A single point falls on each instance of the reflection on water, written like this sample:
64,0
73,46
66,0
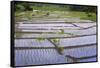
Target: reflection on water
75,49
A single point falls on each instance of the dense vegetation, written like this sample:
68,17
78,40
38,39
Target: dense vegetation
42,10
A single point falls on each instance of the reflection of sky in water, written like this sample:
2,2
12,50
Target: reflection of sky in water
82,32
79,52
32,43
51,56
88,60
43,25
38,56
78,41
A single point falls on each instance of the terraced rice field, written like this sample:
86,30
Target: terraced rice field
54,43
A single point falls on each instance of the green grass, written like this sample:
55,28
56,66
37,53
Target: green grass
83,15
29,15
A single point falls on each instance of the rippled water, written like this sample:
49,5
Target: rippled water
51,55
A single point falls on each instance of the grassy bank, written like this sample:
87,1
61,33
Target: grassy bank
40,15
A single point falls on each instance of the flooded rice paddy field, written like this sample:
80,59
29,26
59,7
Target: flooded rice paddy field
54,43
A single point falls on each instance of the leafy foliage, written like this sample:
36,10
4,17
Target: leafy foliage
23,6
45,10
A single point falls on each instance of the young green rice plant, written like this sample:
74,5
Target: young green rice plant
70,33
18,35
40,39
18,32
61,31
55,40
